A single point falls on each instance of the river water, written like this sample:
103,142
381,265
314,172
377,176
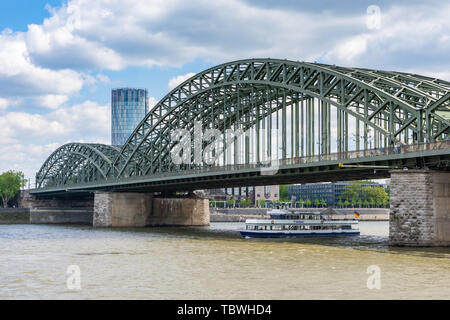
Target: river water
213,263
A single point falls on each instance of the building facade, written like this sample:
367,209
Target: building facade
330,192
128,108
269,194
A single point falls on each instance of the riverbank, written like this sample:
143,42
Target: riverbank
14,216
240,214
46,216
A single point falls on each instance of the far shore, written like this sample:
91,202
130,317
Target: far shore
241,214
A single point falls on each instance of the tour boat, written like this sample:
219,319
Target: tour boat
284,224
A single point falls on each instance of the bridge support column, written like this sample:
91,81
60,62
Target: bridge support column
112,209
420,208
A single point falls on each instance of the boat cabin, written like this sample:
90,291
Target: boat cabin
296,216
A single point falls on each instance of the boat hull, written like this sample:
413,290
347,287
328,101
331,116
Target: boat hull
268,234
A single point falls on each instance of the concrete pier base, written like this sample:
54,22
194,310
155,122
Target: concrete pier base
420,208
61,216
142,209
75,209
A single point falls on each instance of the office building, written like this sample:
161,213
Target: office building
330,192
128,109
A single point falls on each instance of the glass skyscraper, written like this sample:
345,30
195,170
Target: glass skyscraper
128,108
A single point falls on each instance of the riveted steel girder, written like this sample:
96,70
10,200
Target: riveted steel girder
76,162
391,104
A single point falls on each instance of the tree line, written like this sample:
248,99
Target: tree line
356,194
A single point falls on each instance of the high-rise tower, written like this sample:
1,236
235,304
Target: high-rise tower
128,108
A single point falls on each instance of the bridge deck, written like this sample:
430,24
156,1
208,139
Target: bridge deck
374,164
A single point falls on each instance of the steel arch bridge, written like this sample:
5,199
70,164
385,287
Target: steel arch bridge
287,109
77,163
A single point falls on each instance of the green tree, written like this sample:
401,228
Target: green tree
316,203
374,195
284,197
346,203
262,203
245,203
352,191
359,203
301,202
212,202
357,194
308,203
323,203
379,202
340,203
10,184
230,202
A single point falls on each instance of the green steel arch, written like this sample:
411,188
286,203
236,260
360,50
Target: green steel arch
76,162
305,98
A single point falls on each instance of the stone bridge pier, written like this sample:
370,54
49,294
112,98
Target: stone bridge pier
114,209
420,208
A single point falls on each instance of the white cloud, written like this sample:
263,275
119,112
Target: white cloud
20,125
4,103
412,38
105,34
349,50
28,139
88,121
86,35
152,102
20,77
52,101
174,82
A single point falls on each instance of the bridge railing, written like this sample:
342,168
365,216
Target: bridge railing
399,149
337,156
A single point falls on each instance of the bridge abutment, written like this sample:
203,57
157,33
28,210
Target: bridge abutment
113,209
58,210
420,208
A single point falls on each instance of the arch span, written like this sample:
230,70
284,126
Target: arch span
76,162
370,108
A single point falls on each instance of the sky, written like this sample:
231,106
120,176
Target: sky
60,59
